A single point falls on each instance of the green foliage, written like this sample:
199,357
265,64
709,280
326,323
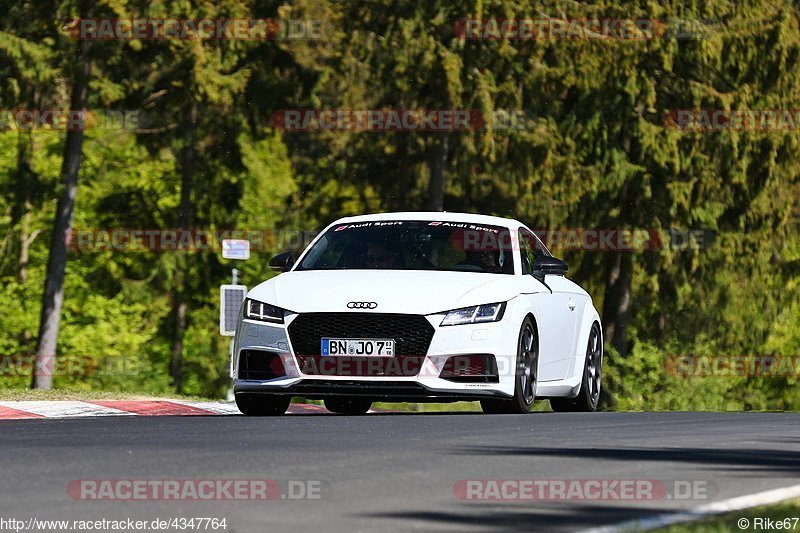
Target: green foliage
593,152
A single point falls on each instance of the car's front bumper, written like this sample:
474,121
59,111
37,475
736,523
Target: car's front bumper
375,390
423,383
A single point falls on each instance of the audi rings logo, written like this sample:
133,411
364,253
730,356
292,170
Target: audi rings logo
361,305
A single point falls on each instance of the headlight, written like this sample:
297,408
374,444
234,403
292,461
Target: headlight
475,315
255,310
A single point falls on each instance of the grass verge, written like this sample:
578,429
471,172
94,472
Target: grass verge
767,518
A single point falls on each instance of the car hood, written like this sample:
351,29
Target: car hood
395,291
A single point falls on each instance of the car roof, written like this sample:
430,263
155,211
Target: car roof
443,216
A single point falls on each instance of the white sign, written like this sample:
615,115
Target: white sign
230,302
236,249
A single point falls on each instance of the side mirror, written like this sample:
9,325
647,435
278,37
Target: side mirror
545,264
282,262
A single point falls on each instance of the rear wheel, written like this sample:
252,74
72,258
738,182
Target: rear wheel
527,370
589,394
348,406
262,404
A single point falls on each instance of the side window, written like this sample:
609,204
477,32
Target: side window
526,251
530,248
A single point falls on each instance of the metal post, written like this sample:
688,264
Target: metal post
235,281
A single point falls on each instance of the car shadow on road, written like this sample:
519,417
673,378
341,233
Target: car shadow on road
372,414
549,516
560,515
744,459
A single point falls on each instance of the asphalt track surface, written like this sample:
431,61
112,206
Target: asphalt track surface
396,472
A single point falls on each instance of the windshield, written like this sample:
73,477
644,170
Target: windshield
412,245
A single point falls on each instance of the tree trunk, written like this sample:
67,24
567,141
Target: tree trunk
21,213
24,243
438,168
57,262
617,300
186,218
177,345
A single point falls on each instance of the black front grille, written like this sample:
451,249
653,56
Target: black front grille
412,334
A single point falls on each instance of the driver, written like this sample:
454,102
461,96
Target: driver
485,259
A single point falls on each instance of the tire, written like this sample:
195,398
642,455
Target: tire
348,406
589,393
526,372
262,404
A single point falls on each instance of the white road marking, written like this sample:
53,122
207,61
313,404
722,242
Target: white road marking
64,409
74,409
220,408
730,505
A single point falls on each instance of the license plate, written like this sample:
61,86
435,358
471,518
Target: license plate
376,347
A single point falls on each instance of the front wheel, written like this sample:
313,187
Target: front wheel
262,404
589,394
527,370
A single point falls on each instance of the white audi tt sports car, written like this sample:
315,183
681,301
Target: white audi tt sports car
418,307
